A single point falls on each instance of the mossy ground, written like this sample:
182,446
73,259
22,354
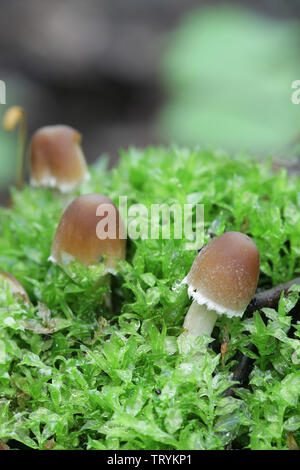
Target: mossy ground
74,375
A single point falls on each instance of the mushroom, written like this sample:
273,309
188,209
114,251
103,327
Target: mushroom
90,229
13,117
222,280
15,286
56,159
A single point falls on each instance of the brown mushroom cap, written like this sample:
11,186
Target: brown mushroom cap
12,117
224,275
76,235
56,158
15,286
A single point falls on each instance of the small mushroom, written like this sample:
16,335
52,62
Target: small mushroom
78,234
56,159
222,280
15,286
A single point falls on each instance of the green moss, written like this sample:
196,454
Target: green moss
87,377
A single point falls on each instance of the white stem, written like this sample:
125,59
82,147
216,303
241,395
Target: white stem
199,320
65,198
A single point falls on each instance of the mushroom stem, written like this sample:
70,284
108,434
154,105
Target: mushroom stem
21,152
106,280
199,320
107,296
64,198
16,116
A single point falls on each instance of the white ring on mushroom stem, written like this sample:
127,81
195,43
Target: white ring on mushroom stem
52,259
201,299
49,181
66,259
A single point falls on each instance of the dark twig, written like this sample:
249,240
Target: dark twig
268,298
242,371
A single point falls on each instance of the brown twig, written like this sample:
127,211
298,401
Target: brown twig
3,446
291,443
270,298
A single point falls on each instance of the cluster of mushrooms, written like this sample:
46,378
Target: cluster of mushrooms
222,279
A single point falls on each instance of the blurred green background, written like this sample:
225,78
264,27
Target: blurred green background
230,72
213,74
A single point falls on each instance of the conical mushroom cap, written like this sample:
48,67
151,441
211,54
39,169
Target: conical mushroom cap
77,235
56,158
15,286
224,275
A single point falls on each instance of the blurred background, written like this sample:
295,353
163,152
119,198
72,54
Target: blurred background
141,72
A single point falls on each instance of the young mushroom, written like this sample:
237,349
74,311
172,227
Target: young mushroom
222,280
56,159
15,287
90,229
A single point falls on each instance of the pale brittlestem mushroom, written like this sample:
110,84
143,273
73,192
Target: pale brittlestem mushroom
15,116
222,280
91,231
15,287
56,159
